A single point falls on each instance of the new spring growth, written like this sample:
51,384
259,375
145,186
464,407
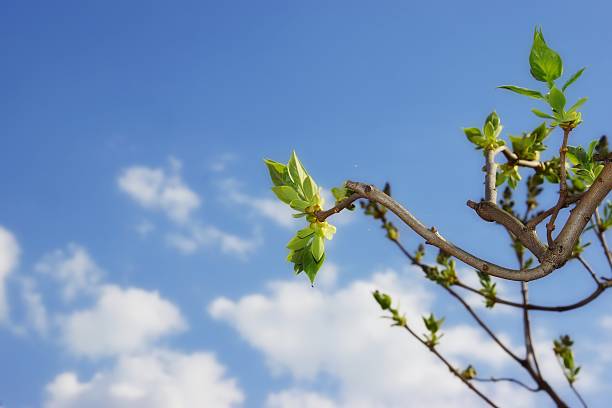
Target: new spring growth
433,325
385,301
296,188
563,350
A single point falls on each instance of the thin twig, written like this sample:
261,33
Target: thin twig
529,350
512,380
582,401
322,215
538,218
588,268
450,367
562,187
599,231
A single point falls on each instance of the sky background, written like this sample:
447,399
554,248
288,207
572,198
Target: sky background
142,258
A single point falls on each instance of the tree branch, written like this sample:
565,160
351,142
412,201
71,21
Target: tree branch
551,260
562,187
514,159
490,176
538,218
322,215
512,380
594,295
528,237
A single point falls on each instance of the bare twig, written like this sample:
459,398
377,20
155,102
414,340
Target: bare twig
582,401
588,268
512,380
530,355
322,215
562,187
450,367
528,237
514,159
563,308
538,218
599,231
490,176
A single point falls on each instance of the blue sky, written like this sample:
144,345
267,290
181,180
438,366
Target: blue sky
139,236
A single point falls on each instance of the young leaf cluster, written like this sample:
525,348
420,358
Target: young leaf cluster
296,188
488,289
469,373
547,66
585,168
447,274
562,348
488,137
385,302
529,145
433,325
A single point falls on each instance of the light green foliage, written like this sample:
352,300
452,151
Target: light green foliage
296,188
433,326
546,66
584,167
529,145
385,301
488,289
488,137
469,373
508,172
446,275
562,348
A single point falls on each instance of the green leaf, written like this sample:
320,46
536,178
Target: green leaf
383,300
523,91
542,114
296,170
306,232
578,104
285,193
493,118
297,243
556,99
545,64
276,171
318,247
489,131
311,267
298,204
310,188
573,79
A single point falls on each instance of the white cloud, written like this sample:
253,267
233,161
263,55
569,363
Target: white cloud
73,269
308,333
270,208
161,379
296,398
221,162
160,189
36,313
144,228
9,258
206,236
122,320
